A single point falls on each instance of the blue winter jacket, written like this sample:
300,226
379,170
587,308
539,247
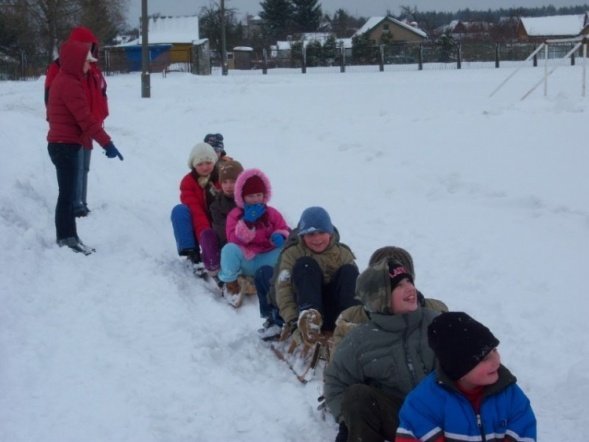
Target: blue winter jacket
436,411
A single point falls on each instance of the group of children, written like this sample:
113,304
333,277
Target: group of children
404,368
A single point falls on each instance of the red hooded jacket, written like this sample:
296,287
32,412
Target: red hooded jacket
68,110
94,82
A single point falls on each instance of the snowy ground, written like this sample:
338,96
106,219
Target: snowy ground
490,195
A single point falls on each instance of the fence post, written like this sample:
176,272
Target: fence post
573,59
420,57
535,63
264,61
459,56
381,60
497,55
342,65
304,63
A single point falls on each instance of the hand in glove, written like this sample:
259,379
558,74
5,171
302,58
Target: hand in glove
252,212
111,151
277,239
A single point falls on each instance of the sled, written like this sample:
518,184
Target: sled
304,360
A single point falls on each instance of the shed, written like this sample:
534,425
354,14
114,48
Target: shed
174,44
242,57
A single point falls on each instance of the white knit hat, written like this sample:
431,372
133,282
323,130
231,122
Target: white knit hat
201,152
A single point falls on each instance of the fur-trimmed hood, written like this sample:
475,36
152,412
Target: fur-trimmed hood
243,177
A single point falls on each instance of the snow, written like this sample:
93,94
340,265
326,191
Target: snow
182,29
554,25
490,195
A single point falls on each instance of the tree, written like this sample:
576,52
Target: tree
306,15
363,49
210,26
341,24
106,18
38,27
277,16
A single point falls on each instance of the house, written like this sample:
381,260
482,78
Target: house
174,44
538,29
466,30
395,30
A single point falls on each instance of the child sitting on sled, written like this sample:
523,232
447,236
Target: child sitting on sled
191,219
470,395
255,233
316,278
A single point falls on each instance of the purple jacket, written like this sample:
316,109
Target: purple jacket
254,238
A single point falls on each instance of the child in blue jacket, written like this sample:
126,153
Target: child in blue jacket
470,396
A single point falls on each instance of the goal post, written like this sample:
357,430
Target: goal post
580,42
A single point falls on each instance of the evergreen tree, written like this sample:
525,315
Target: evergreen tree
277,16
342,24
306,15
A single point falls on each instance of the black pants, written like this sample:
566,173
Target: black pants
329,299
369,414
65,158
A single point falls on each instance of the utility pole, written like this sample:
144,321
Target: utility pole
224,67
145,83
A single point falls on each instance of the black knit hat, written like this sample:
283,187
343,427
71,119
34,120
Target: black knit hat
398,272
459,342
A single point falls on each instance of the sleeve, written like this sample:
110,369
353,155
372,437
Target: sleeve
77,104
342,372
192,195
522,421
279,225
50,74
218,221
417,420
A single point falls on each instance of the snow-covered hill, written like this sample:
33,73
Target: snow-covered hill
490,195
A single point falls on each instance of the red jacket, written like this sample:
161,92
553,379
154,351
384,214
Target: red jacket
94,82
197,199
68,110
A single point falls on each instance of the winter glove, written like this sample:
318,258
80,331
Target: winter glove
252,212
111,151
277,239
244,233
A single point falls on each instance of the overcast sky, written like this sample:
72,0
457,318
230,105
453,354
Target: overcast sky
354,7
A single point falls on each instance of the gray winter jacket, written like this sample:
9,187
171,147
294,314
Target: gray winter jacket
390,353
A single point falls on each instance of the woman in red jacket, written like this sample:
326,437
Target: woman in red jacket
94,85
71,122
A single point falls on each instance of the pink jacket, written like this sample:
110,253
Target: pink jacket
254,238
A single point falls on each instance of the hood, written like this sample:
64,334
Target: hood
85,35
72,56
243,177
373,288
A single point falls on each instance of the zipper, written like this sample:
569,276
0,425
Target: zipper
480,425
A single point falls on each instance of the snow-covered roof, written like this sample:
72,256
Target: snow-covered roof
171,30
554,25
374,21
286,45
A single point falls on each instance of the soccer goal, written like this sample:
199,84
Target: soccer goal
553,57
555,52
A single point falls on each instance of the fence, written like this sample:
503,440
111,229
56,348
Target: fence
410,56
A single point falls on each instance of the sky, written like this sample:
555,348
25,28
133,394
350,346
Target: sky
488,194
357,8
